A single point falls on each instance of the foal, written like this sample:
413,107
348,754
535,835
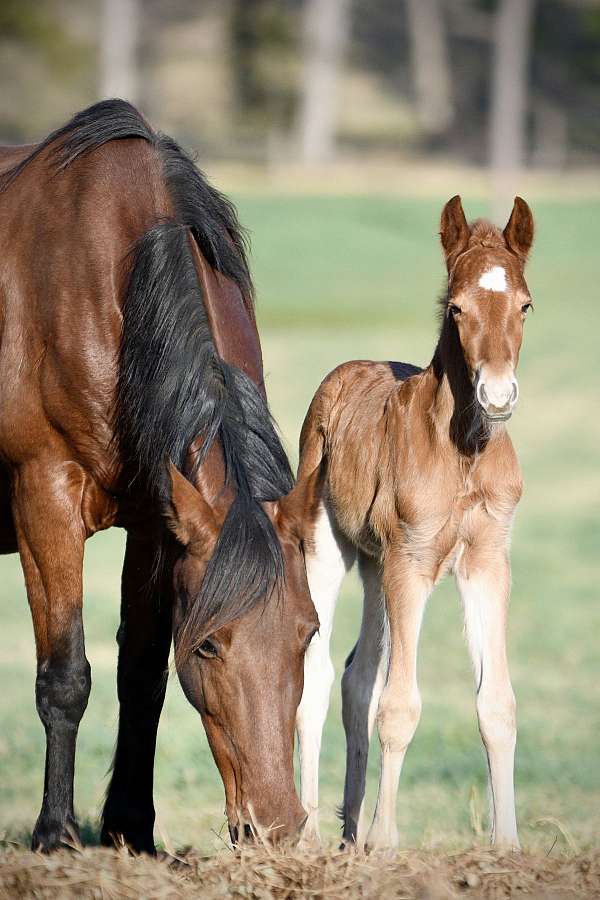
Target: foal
418,477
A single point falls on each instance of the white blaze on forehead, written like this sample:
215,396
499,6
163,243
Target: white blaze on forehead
494,279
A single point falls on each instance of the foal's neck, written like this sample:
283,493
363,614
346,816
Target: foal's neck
455,408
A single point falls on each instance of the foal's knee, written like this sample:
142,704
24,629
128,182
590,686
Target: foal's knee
62,691
397,720
497,716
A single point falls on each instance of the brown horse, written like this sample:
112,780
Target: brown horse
132,395
417,476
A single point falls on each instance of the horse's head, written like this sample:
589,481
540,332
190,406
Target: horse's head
488,299
246,676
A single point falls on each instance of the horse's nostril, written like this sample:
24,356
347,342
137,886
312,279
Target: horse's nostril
514,392
481,394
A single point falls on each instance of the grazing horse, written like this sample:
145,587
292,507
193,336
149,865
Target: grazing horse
132,395
416,476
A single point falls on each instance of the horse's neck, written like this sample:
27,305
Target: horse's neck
454,409
12,156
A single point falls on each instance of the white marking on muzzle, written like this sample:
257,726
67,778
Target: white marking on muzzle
494,279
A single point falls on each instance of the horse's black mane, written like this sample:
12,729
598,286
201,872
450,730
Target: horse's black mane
173,387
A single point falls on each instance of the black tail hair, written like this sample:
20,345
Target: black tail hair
173,386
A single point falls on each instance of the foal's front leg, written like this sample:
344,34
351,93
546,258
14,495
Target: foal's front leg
406,593
484,584
50,534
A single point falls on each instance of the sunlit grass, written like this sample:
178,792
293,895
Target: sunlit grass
342,278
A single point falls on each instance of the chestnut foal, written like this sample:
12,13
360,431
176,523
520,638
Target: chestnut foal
418,477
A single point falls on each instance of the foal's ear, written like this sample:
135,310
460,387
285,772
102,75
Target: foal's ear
518,233
454,230
190,517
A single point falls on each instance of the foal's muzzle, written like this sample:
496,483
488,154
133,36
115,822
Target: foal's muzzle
497,397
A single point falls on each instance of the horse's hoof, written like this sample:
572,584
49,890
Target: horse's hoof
134,840
49,835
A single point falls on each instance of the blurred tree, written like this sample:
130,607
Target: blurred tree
119,49
508,126
263,61
325,34
46,65
430,68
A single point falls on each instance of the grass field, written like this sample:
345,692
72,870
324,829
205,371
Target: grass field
348,277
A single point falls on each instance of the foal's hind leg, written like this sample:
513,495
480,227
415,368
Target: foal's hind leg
50,534
144,641
327,562
362,683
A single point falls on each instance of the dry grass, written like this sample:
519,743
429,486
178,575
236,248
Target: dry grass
262,873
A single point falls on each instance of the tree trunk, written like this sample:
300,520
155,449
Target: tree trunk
325,33
430,66
118,49
508,125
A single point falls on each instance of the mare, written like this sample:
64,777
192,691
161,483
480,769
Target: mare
132,396
416,476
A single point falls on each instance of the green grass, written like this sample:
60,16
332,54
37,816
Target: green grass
348,277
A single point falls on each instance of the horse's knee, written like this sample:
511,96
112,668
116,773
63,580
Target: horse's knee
497,716
397,720
62,691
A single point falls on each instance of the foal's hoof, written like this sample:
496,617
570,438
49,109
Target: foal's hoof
49,835
310,839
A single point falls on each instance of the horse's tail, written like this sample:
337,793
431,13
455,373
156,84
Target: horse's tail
173,387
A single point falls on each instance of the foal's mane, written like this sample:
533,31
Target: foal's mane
173,386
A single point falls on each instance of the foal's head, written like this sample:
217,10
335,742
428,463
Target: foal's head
488,299
245,676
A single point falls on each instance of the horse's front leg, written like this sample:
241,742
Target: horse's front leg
144,641
483,580
47,510
399,710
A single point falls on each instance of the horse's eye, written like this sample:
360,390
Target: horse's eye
525,308
208,649
454,310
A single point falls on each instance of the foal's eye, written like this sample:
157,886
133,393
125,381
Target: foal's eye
208,649
454,310
525,308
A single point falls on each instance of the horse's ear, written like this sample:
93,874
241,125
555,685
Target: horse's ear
190,517
454,230
518,233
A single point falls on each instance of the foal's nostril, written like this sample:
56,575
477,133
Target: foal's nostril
481,394
514,393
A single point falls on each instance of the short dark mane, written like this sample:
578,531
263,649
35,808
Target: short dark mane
173,386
